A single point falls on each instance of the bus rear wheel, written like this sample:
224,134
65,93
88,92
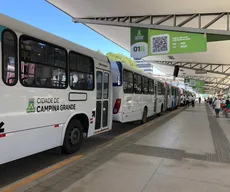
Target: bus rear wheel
73,136
144,116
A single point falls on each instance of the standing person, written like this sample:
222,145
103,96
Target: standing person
181,100
193,101
213,102
227,101
184,98
217,107
187,101
199,99
190,99
210,101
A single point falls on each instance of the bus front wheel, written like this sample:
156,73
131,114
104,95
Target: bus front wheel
73,136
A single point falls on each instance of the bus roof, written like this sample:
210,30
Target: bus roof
26,29
138,71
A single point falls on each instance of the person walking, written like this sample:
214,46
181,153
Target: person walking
199,99
217,104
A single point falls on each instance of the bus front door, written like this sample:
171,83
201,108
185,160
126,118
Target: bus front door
102,102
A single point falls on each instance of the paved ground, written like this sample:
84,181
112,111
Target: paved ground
16,170
192,154
19,169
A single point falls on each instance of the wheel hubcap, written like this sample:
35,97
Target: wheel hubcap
74,136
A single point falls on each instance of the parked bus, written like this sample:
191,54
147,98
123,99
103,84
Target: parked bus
136,95
172,96
52,92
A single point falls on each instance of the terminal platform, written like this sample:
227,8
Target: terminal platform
186,150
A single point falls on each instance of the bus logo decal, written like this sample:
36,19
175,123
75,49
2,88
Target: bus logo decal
31,108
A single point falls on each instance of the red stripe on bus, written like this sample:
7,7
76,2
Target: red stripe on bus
2,135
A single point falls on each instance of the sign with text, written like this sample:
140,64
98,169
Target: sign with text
200,72
139,42
147,42
200,90
194,83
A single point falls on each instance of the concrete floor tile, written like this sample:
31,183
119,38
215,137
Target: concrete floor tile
204,171
135,162
164,183
65,183
37,189
225,127
189,131
109,178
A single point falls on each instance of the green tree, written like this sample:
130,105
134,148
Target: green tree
99,51
121,58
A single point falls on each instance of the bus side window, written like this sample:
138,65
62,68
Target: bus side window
151,87
9,57
160,91
145,85
127,81
81,72
137,83
42,64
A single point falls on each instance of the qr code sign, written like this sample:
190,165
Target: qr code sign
160,44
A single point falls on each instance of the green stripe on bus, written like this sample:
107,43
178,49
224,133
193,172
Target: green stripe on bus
1,29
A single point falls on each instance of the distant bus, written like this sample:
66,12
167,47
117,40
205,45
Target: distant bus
172,96
52,92
136,95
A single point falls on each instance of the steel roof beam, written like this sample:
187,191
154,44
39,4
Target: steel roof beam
187,20
146,21
212,68
208,80
213,21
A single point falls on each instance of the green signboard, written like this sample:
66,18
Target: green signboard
200,90
139,42
145,42
196,83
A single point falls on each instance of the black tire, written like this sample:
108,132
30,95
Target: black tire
144,116
73,136
159,114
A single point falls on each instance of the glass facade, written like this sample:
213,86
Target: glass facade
146,66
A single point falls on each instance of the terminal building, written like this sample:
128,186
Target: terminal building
145,65
148,67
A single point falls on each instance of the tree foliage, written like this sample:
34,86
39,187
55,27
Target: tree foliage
121,58
99,51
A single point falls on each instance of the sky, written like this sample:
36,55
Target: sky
41,14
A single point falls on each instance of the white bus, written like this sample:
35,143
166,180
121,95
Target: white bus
52,91
136,95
